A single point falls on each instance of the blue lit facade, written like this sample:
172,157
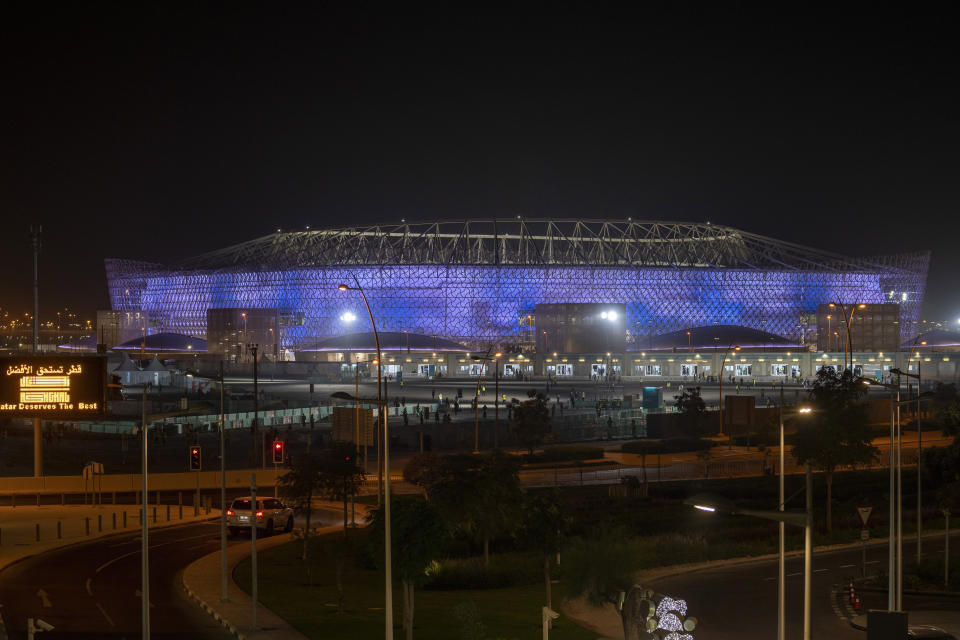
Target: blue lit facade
494,299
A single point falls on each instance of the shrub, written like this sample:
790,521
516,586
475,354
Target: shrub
565,453
670,445
505,570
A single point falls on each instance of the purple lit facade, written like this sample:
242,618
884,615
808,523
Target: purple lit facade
478,284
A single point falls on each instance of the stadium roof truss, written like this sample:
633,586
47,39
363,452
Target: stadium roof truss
472,281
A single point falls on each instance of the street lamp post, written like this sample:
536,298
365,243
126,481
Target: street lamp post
223,486
893,577
805,520
144,527
917,377
722,374
484,359
781,526
388,561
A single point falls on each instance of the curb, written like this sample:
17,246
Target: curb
213,612
655,573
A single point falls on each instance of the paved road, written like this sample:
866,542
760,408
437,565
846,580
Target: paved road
92,591
740,602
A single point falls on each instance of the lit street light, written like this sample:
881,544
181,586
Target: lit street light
713,504
723,373
388,562
496,400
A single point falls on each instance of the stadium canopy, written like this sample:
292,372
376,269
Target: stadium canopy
164,342
718,337
389,341
523,241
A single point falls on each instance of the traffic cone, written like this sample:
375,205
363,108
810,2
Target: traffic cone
853,595
856,604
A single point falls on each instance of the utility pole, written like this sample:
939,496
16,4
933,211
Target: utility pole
223,496
256,405
37,423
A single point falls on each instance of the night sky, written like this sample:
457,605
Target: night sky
170,129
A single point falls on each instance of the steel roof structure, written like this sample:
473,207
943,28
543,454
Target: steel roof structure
477,282
529,242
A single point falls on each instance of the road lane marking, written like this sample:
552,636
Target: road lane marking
89,590
769,579
110,562
798,573
153,546
873,562
105,615
847,566
820,570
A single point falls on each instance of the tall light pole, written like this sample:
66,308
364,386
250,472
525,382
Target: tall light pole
484,359
144,528
713,504
893,577
917,377
388,561
723,372
781,525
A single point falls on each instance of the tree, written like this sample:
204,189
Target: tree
946,408
838,434
340,478
477,494
298,486
531,420
694,410
417,530
545,524
602,568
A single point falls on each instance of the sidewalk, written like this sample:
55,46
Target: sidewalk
201,580
27,531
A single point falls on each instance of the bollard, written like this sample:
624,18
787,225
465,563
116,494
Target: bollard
114,520
99,523
154,515
181,511
38,532
141,517
86,525
168,513
124,519
59,530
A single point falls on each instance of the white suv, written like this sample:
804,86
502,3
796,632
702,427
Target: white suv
271,516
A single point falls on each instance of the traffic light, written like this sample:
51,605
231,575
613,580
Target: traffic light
278,452
195,458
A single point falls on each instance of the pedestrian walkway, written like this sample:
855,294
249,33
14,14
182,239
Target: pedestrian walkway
202,581
29,530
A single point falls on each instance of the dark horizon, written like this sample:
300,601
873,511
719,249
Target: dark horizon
162,132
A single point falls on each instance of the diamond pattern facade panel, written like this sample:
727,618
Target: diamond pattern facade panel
476,282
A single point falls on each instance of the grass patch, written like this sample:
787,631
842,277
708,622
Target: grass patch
509,614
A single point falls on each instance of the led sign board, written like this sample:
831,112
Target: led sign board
53,387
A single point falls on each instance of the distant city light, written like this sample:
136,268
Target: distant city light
348,317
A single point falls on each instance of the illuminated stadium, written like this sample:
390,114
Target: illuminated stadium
479,282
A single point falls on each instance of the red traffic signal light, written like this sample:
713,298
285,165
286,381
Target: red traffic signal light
195,458
277,452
